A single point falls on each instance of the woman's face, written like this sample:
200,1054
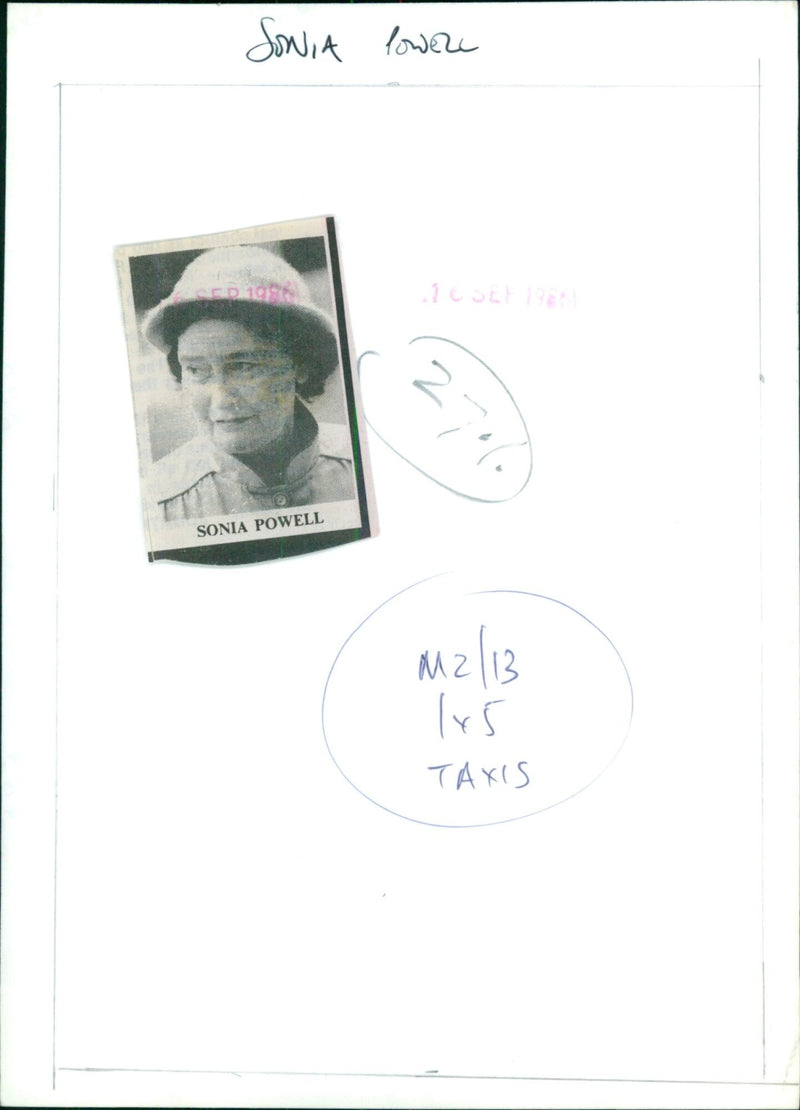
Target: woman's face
240,386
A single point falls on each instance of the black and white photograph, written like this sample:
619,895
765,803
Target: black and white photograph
245,416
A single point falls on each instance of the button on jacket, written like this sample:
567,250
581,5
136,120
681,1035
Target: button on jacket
199,479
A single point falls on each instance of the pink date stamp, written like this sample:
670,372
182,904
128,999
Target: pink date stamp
270,294
548,297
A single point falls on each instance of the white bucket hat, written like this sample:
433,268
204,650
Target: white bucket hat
248,275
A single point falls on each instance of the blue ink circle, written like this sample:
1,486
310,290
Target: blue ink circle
456,707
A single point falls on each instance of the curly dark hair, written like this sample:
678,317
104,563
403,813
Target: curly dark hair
310,344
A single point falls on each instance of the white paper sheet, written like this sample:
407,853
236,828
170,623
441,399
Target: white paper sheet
234,871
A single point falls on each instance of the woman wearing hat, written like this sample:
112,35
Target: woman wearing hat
248,346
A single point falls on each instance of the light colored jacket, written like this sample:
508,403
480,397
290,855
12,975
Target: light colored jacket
199,479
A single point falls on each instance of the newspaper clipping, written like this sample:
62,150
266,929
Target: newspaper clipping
243,394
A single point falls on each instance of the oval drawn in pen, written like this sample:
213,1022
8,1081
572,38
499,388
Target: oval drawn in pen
458,707
446,412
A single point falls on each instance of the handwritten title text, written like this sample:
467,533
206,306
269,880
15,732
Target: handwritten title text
276,44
